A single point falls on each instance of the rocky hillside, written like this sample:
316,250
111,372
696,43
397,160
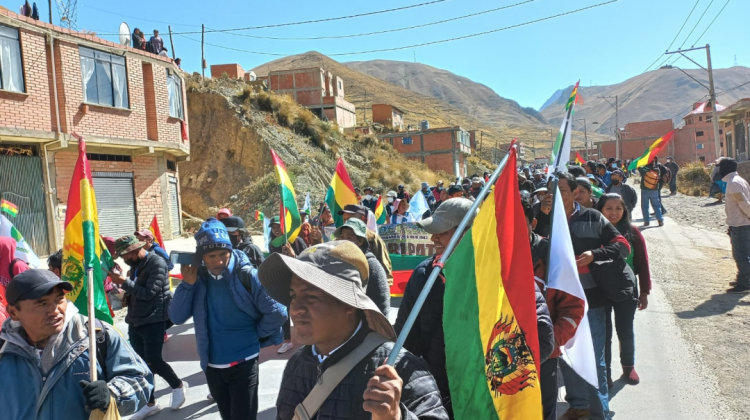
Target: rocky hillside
232,130
666,93
472,98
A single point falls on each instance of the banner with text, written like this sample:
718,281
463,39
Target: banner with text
407,239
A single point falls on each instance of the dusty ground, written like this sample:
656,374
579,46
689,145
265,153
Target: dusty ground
699,212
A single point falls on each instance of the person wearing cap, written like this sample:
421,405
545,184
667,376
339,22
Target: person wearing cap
375,243
403,194
391,197
455,191
370,200
476,186
605,176
673,167
400,213
333,317
150,296
44,357
225,212
436,190
147,237
234,318
428,196
292,249
241,240
618,186
426,338
319,224
538,181
376,285
525,185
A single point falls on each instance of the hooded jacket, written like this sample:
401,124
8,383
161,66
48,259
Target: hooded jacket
149,288
420,398
254,254
47,388
249,296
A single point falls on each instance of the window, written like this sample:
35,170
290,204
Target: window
406,140
105,81
340,87
701,146
708,118
11,71
171,165
174,86
700,118
109,158
702,158
721,131
698,133
689,121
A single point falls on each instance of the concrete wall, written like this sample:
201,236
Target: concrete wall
437,149
235,71
653,129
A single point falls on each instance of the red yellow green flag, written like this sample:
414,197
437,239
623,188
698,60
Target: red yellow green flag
9,208
83,249
340,192
291,221
381,216
491,342
154,228
259,216
579,160
653,150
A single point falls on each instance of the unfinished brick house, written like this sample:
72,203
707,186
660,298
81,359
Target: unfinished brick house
441,149
127,104
388,115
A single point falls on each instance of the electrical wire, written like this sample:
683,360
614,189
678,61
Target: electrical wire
278,25
712,22
140,18
431,42
673,40
696,24
387,30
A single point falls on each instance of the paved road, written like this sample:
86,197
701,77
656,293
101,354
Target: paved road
673,384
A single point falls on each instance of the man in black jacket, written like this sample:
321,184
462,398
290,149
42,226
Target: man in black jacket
148,287
332,317
241,240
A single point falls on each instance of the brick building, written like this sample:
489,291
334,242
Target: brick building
634,139
318,90
441,149
734,123
234,71
695,140
126,103
388,115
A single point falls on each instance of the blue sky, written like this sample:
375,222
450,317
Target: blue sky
603,45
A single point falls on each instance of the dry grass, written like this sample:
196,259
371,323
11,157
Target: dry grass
694,179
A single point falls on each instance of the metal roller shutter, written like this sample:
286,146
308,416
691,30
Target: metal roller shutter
174,207
115,202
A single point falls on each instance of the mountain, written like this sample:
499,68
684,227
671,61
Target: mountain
555,96
666,93
474,99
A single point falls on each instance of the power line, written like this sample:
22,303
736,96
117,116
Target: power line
712,22
433,42
139,18
387,30
278,25
696,24
675,38
233,49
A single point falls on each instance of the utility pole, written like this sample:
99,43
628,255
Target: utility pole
171,43
585,137
711,91
203,52
616,106
49,3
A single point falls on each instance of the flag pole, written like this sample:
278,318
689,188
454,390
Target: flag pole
555,181
92,323
446,254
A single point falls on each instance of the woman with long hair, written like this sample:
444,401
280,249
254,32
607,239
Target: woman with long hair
613,207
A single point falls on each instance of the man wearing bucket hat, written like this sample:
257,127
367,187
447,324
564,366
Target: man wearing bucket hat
233,316
376,285
44,357
426,339
346,342
148,287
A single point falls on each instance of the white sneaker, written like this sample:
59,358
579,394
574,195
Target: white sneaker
178,396
146,411
285,347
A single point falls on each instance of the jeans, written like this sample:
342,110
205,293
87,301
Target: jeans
650,196
740,239
548,383
148,341
579,393
624,316
235,390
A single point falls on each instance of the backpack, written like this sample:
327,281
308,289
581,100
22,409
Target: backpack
12,265
651,179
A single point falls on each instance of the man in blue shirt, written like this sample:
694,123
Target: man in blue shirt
604,174
146,236
234,318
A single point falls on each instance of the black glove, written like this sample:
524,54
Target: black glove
97,395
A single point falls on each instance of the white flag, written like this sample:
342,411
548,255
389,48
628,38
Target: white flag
578,353
306,208
267,232
417,207
561,148
23,250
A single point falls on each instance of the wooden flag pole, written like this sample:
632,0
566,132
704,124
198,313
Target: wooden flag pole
92,323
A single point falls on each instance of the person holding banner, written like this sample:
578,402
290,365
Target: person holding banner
48,336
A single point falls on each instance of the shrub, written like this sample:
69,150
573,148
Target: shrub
694,179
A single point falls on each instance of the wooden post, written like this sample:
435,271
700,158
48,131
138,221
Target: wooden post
171,42
203,55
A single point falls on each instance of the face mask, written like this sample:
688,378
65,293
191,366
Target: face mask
390,199
368,197
615,182
235,240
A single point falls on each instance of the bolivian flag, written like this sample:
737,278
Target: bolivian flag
491,342
340,192
653,150
291,221
154,228
381,216
579,160
9,207
83,249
